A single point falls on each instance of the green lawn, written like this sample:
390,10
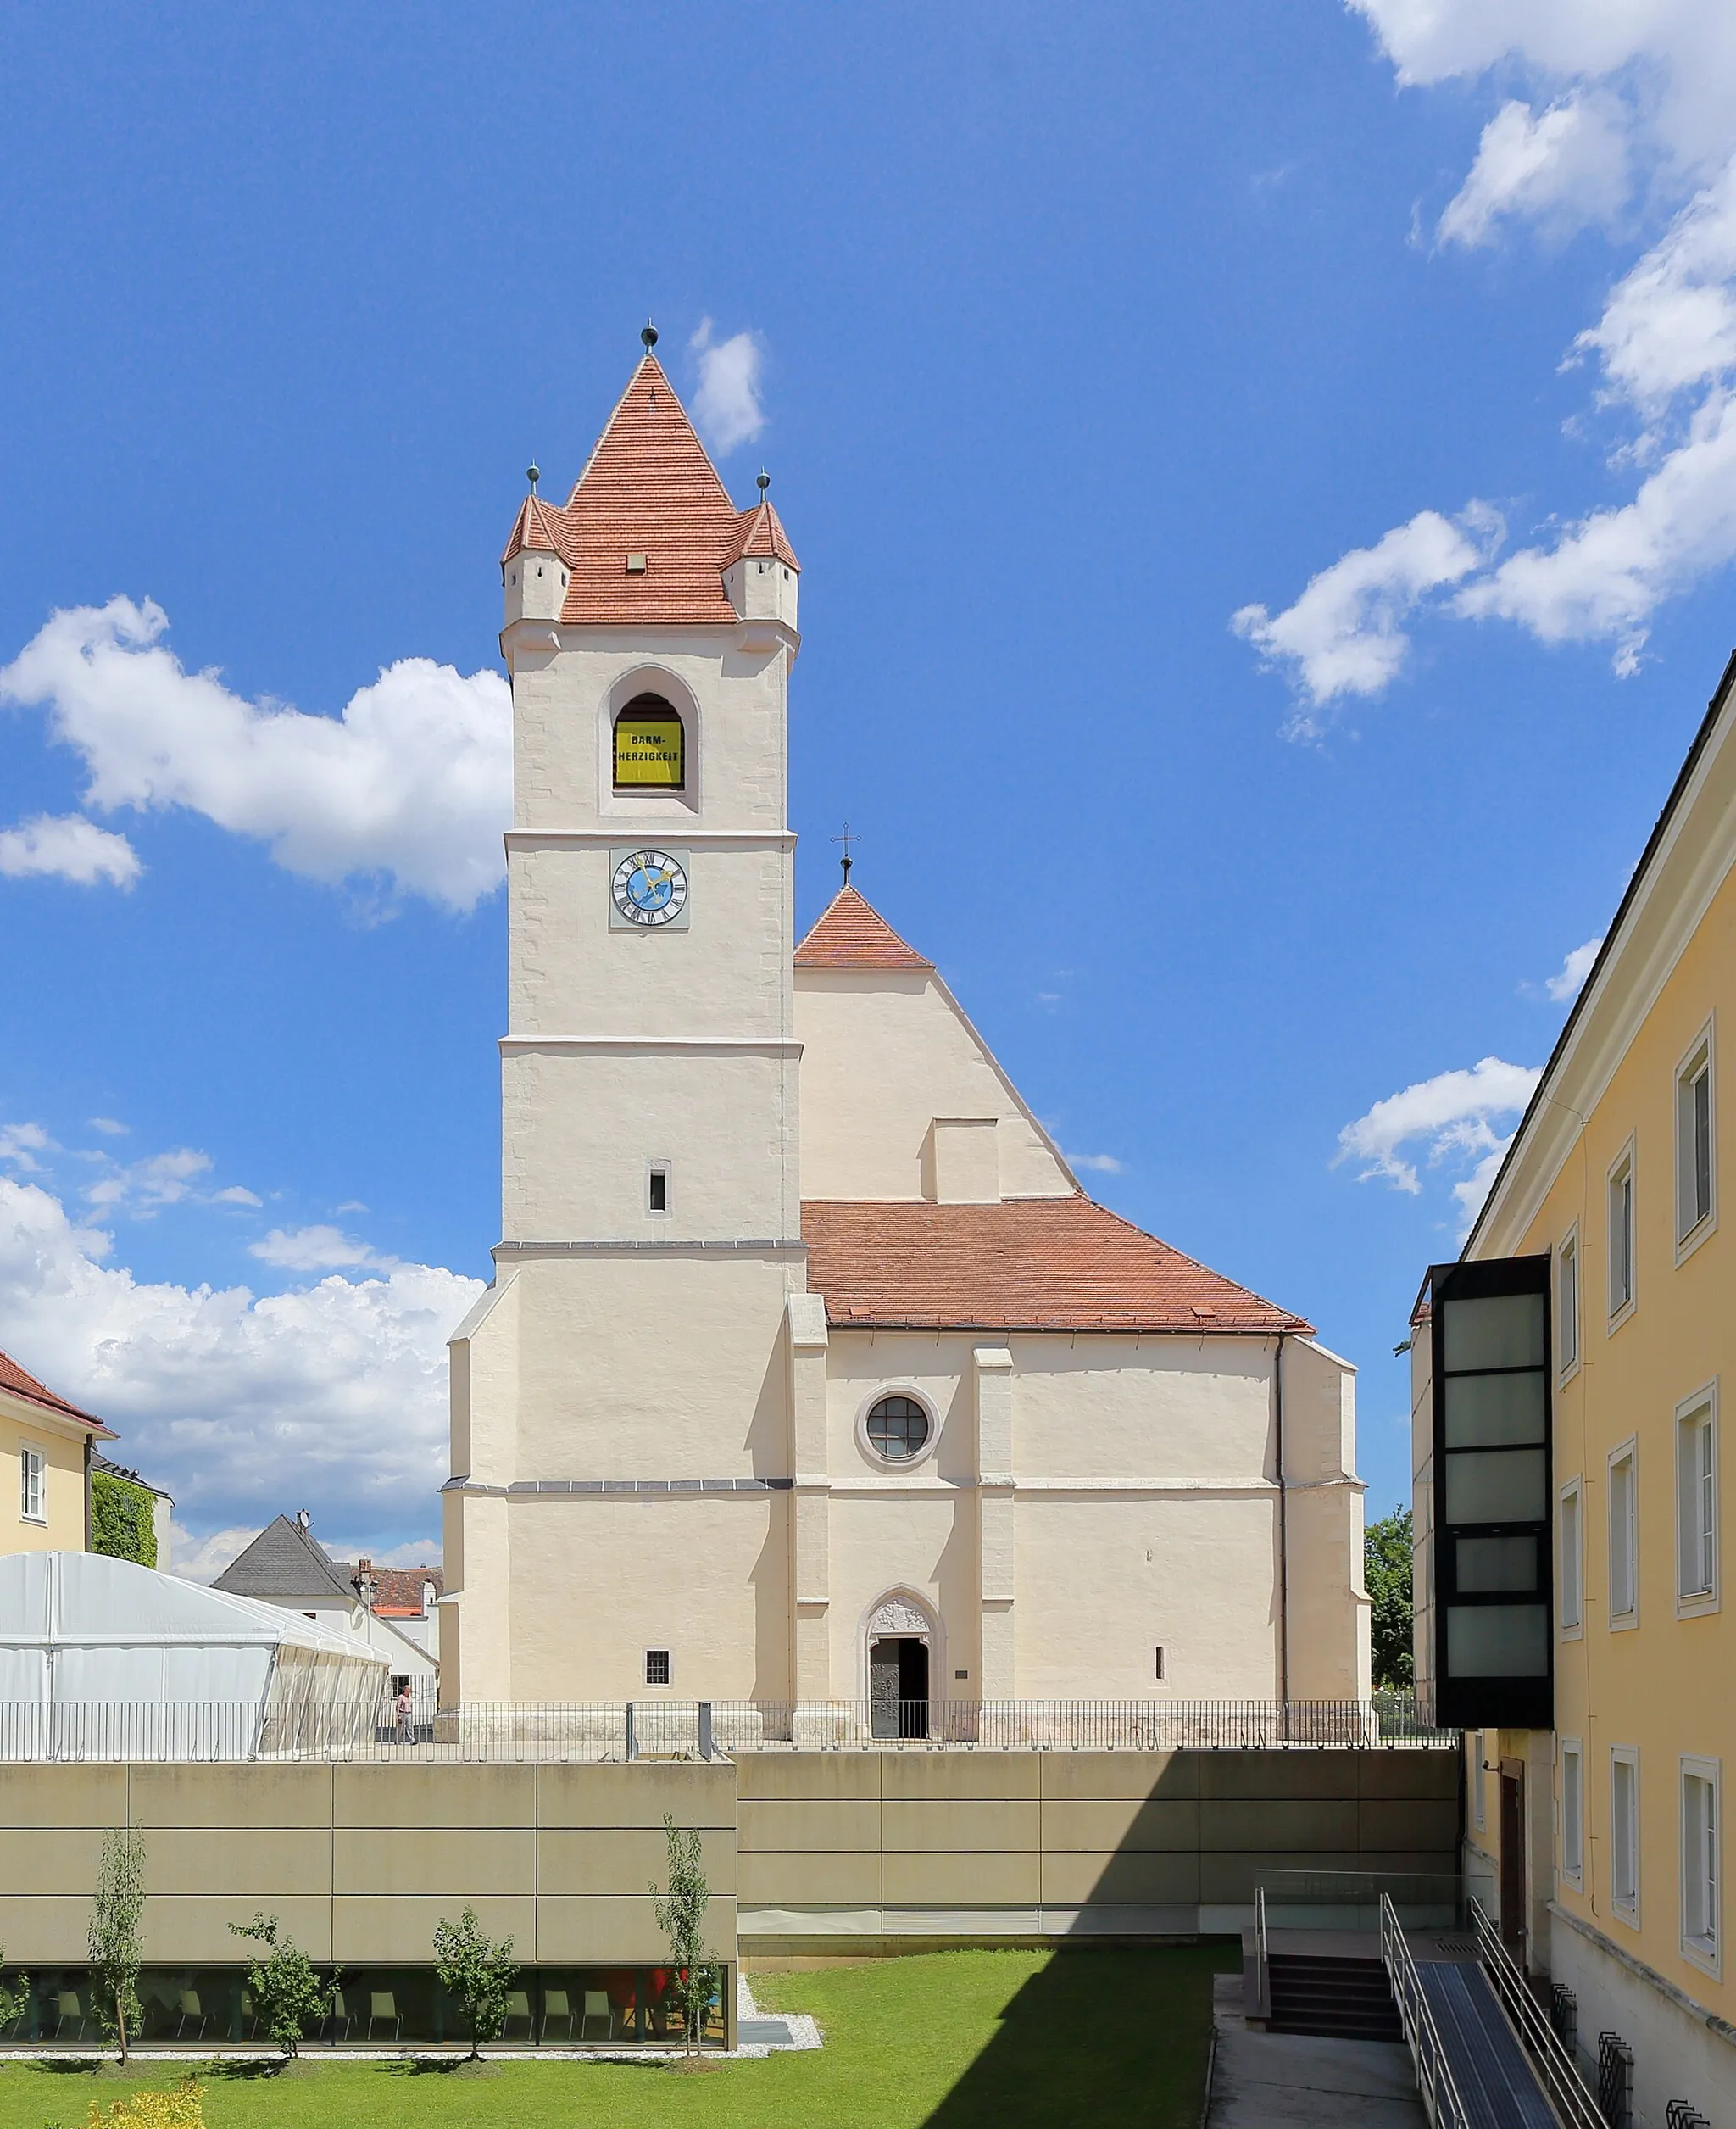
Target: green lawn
954,2039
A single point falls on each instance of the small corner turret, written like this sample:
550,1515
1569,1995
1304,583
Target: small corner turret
533,575
762,578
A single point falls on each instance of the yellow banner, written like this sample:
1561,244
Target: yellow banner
649,750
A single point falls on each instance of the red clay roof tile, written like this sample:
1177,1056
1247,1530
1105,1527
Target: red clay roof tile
1060,1263
851,933
14,1379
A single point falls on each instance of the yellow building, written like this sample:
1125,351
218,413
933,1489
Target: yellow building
47,1443
1603,1831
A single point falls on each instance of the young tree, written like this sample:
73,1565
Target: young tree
14,1996
116,1945
1386,1569
289,1995
478,1972
681,1916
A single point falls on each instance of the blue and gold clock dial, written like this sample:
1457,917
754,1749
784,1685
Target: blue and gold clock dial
650,888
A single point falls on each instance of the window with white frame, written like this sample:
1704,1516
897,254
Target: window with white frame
1699,1859
1568,1303
1624,1831
1572,1813
1622,1234
1624,1537
32,1476
1693,1140
1572,1551
1697,1499
1476,1742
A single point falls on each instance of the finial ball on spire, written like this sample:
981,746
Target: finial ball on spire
533,473
762,481
647,333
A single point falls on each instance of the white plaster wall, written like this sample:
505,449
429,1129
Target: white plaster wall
920,1538
579,1126
1676,2055
596,1580
671,1369
1178,1409
883,1053
727,974
1103,1578
561,704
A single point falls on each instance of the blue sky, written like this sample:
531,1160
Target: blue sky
1260,477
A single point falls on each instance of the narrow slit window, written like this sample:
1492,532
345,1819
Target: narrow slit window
1157,1666
1572,1812
1567,1306
1624,1832
1572,1563
1624,1578
1700,1860
1622,1236
1693,1141
657,1187
1696,1504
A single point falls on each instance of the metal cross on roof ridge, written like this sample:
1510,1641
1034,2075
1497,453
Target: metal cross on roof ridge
847,839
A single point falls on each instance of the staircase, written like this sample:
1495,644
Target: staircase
1338,1998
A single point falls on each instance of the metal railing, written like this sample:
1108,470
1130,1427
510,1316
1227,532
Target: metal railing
1262,1982
1434,2079
377,1728
1554,2065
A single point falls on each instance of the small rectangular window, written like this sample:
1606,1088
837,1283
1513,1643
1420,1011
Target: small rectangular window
1476,1796
657,1187
1567,1305
1696,1502
1158,1669
1572,1559
1693,1139
1700,1860
1622,1234
1624,1577
31,1489
656,1667
1572,1813
1624,1831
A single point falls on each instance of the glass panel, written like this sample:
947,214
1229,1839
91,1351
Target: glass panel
1502,1330
1486,1565
1495,1485
1497,1641
1483,1410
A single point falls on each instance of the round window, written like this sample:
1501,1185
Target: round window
899,1428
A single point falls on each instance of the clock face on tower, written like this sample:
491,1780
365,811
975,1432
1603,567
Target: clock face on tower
649,889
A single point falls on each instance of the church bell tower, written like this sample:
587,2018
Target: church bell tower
617,1394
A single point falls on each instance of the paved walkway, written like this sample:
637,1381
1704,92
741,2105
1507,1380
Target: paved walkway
1291,2080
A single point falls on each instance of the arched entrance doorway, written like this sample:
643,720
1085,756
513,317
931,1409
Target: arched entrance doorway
901,1640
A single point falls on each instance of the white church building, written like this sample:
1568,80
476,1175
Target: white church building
809,1372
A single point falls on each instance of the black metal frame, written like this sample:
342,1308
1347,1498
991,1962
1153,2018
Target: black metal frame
1491,1703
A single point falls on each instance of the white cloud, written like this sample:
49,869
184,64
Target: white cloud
726,405
412,783
203,1559
236,1195
108,1126
1449,1116
1633,114
1566,165
20,1143
315,1248
163,1178
1346,634
1570,978
67,847
1102,1163
417,1553
331,1397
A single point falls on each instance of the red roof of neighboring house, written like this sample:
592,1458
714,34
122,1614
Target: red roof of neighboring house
14,1377
851,933
649,489
397,1590
1054,1264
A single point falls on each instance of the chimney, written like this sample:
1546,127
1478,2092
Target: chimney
367,1582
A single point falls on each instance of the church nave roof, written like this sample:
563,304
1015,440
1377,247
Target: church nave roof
1050,1263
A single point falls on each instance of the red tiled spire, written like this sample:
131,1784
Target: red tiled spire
852,934
760,533
538,529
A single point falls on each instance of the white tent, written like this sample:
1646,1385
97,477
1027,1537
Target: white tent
100,1659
